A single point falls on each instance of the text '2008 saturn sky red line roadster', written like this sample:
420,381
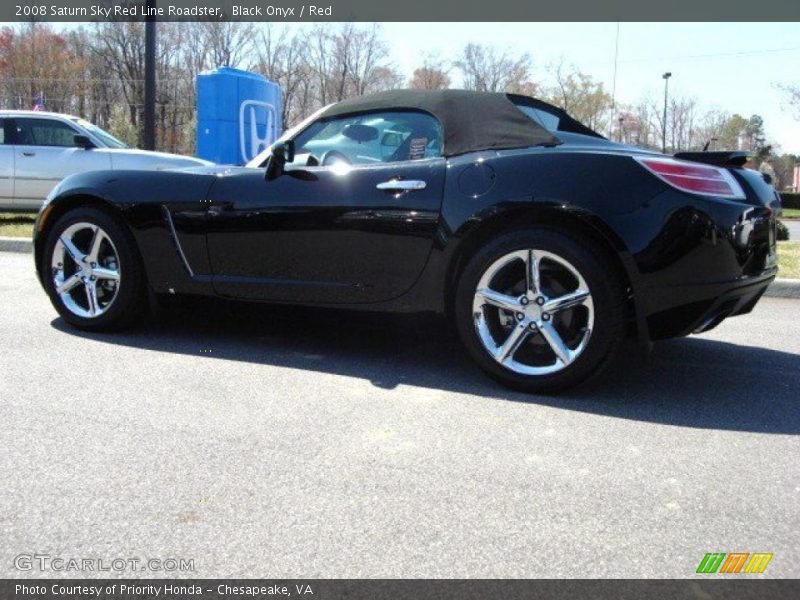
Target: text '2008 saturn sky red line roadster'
544,242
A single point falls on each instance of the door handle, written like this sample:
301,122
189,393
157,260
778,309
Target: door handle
402,185
29,154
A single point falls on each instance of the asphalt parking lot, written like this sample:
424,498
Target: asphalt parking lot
299,443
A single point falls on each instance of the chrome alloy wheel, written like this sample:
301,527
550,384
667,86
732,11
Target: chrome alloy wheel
533,312
85,270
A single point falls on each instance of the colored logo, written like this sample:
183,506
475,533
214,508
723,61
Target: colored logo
735,562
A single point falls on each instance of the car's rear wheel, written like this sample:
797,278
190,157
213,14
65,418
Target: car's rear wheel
92,271
539,311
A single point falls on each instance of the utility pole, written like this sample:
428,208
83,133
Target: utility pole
666,77
150,78
614,81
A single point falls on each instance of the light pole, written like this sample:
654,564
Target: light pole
666,77
621,131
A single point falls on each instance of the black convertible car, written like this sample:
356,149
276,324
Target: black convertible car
544,242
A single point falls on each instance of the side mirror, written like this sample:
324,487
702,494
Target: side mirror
280,154
81,141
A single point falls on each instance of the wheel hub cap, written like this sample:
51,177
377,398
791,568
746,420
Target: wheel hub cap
533,312
85,270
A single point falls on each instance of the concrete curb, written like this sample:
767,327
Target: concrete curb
784,288
780,288
14,244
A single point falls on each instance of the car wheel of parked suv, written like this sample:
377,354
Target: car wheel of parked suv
539,311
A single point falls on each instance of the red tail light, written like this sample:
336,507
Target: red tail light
693,177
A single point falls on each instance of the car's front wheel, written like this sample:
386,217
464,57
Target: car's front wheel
539,311
92,271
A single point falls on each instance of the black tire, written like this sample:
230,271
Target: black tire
607,294
130,302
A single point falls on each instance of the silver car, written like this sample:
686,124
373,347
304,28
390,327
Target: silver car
39,149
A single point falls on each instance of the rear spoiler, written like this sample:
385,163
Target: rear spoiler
727,158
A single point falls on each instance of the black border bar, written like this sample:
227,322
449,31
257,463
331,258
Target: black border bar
403,10
710,588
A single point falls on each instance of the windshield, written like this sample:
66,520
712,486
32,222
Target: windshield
261,158
105,137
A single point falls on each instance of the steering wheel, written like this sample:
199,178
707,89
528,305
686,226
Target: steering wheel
333,157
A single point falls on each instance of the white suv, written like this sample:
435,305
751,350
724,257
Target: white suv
39,149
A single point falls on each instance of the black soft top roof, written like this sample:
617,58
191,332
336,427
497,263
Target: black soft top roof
471,120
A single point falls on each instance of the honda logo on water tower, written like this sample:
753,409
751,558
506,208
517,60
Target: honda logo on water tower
250,142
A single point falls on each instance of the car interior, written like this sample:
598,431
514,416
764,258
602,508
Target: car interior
368,139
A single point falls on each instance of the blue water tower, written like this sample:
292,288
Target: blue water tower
238,115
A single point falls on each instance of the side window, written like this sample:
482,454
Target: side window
2,131
369,138
44,132
546,119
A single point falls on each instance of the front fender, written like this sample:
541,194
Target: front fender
139,199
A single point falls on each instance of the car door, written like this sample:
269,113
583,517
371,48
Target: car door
348,226
45,153
6,168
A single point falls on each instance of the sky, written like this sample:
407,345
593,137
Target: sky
734,67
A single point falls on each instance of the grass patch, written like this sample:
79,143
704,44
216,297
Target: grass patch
791,213
789,260
17,224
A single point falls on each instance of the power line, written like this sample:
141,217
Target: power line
121,104
94,80
711,55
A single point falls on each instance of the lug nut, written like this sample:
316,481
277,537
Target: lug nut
533,326
540,300
520,316
545,316
523,301
92,277
94,265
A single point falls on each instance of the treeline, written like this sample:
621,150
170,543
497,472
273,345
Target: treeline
97,71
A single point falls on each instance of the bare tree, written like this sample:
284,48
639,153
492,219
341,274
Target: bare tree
121,46
792,92
488,69
350,61
227,43
680,123
581,96
434,74
281,58
710,130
